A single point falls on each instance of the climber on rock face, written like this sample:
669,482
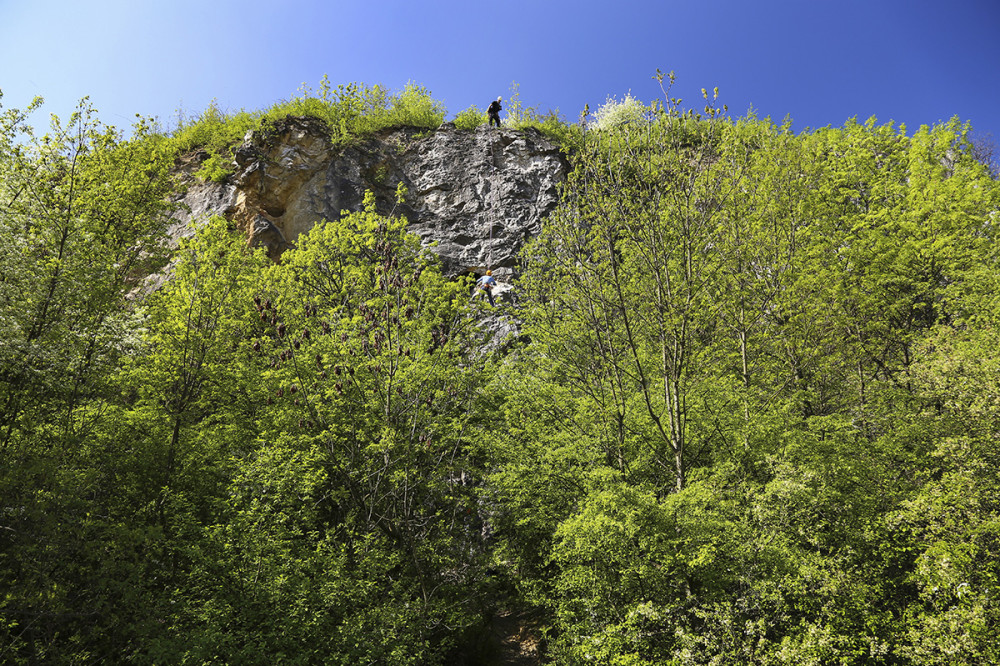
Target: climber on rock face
494,112
486,283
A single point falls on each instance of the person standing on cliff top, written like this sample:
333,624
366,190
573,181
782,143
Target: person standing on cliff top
494,112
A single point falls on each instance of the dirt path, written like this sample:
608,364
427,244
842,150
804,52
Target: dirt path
519,639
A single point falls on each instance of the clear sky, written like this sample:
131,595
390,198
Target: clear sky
819,62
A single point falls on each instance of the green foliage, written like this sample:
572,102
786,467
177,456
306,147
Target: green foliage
751,417
568,137
371,338
725,322
214,130
214,169
470,118
613,113
552,125
84,213
350,111
415,107
340,521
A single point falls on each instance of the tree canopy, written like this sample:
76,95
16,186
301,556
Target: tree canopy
751,416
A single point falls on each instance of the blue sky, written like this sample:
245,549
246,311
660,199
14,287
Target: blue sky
817,61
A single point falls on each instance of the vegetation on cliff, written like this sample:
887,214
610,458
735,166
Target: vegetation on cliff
350,111
753,418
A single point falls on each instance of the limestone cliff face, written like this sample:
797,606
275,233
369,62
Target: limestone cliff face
479,194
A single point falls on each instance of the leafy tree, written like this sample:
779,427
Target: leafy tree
83,216
349,526
950,523
81,223
744,308
623,269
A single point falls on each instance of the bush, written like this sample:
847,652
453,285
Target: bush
569,137
415,106
214,130
214,169
470,119
614,113
217,133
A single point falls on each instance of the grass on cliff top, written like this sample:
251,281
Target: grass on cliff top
351,111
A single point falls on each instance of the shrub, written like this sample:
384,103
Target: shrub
614,113
214,130
415,106
470,119
214,169
569,137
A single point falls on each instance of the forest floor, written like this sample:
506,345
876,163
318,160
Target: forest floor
519,638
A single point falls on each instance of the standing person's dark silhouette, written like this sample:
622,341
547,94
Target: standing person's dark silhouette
494,112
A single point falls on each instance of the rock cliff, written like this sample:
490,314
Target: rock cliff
479,194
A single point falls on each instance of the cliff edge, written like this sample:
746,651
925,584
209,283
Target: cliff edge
478,194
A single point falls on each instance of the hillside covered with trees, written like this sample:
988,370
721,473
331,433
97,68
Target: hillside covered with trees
752,417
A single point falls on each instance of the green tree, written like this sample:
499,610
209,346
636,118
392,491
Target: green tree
726,324
349,528
82,217
624,270
84,214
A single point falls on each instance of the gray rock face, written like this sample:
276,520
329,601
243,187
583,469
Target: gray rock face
479,194
199,200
